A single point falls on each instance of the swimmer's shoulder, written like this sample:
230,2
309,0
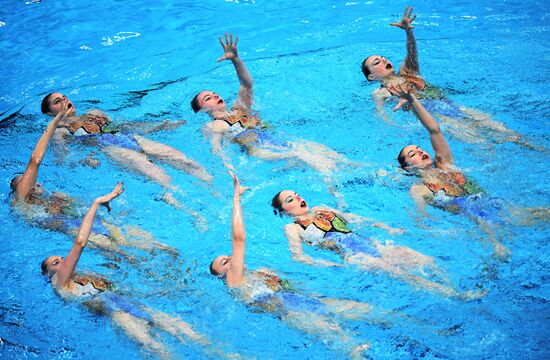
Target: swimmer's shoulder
218,126
380,93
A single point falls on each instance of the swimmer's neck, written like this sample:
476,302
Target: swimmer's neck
219,114
390,79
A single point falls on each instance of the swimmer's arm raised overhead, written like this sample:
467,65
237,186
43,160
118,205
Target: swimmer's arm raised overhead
67,267
28,179
246,91
443,155
235,275
411,65
292,232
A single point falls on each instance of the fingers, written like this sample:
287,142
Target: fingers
405,12
397,107
119,189
236,181
236,40
226,40
410,12
221,42
414,17
400,104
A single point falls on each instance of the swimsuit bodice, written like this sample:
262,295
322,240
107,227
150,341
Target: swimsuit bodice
88,286
452,183
241,118
90,124
60,204
260,284
319,225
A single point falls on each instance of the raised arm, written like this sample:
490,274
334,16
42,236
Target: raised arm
443,155
410,66
246,91
235,275
67,267
28,179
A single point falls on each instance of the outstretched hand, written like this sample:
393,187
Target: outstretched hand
105,199
64,110
229,47
238,189
406,22
402,92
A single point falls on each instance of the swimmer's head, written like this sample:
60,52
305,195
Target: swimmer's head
37,189
51,265
377,67
51,104
208,101
220,265
290,203
412,157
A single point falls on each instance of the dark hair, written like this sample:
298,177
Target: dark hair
401,159
365,68
195,104
212,271
13,185
45,107
277,204
44,267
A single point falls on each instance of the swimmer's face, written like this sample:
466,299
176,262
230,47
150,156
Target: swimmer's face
292,203
379,67
210,101
55,103
37,189
416,158
221,264
52,264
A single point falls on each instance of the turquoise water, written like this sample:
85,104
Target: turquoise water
144,61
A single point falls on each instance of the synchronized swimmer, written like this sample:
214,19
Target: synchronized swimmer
469,125
441,184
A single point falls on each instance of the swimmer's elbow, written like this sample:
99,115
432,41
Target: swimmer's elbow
81,241
35,160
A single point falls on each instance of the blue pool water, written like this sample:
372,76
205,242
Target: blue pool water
144,61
